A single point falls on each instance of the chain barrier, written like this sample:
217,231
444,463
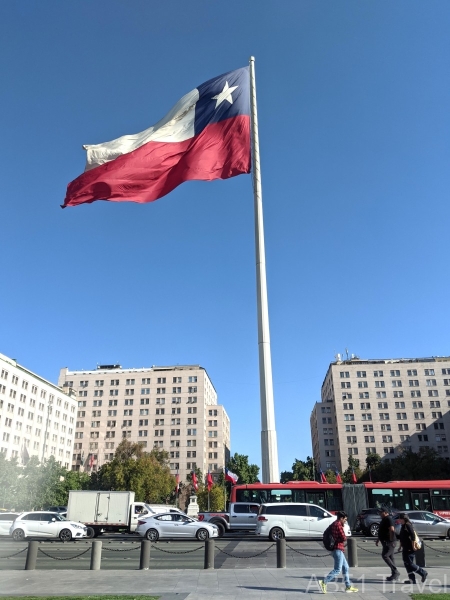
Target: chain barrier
370,551
434,549
305,554
15,553
177,551
59,558
245,556
120,550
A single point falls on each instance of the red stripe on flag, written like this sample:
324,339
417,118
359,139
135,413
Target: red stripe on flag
220,151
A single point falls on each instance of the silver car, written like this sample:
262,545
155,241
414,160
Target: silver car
426,524
175,525
45,524
6,520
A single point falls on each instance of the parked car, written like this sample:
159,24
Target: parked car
426,524
175,525
6,520
58,509
292,519
368,521
46,524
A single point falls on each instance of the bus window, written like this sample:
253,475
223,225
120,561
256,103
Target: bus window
334,500
421,500
398,499
440,499
280,495
316,498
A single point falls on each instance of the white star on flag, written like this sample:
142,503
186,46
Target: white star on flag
225,94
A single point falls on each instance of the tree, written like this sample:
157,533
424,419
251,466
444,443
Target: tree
145,473
239,465
9,473
286,476
353,465
304,470
216,499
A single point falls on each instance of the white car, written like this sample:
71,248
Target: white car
6,520
175,525
291,519
46,524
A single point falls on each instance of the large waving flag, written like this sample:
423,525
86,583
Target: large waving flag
354,479
338,476
323,479
209,481
229,476
194,480
205,136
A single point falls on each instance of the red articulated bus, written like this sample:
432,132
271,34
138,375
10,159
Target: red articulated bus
399,495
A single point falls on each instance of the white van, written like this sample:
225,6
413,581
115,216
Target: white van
292,519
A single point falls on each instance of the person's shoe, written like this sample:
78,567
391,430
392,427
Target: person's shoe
395,577
424,576
409,581
323,586
350,589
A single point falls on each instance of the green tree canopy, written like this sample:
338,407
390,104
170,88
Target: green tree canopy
239,465
216,499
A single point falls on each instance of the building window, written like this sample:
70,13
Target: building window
378,373
412,372
364,394
379,384
382,404
349,417
401,416
436,415
114,382
346,396
398,395
161,380
363,384
192,379
395,373
348,406
381,394
420,426
345,384
419,415
433,393
353,450
403,427
369,438
384,416
192,389
399,405
396,383
415,394
413,383
351,439
361,374
367,428
429,372
365,405
366,417
147,401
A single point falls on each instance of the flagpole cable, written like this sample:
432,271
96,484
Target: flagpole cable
269,448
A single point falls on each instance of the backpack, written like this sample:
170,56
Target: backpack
328,540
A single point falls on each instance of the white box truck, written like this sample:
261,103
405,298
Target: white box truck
106,511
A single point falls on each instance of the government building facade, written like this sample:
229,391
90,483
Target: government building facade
172,408
382,406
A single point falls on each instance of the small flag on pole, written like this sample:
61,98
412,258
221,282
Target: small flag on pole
229,476
194,481
209,481
338,476
354,479
323,479
91,461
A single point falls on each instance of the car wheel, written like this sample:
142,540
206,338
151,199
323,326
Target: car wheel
221,529
202,535
276,534
448,533
18,535
373,529
90,532
152,535
65,535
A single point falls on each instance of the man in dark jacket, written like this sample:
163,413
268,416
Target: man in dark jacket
340,562
386,535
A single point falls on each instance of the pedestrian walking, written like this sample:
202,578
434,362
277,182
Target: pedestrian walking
407,536
340,562
386,535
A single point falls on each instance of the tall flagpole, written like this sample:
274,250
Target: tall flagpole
269,450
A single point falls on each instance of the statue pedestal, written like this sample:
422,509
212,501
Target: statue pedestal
192,510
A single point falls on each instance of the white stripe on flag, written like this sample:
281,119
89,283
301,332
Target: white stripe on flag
176,126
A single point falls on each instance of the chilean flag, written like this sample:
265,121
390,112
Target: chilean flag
194,481
354,480
229,476
323,479
209,481
338,477
205,136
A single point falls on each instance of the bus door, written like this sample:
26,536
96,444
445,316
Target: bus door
421,501
316,498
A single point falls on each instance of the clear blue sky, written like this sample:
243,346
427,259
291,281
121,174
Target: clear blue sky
353,100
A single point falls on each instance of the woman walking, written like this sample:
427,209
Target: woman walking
407,535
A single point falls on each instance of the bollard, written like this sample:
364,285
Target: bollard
96,556
144,563
30,564
352,552
209,554
419,555
281,554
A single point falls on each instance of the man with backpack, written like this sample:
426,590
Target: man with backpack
340,562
